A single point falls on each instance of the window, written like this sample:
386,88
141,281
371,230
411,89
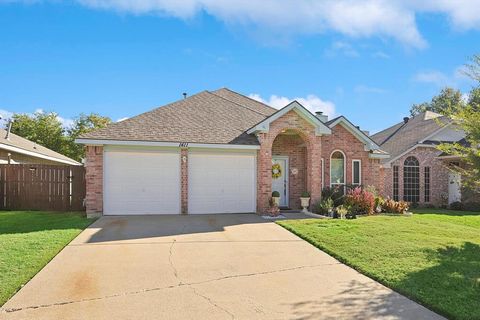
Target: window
427,183
356,172
411,180
395,183
337,170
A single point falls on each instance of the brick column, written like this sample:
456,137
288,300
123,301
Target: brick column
184,180
264,174
314,169
94,181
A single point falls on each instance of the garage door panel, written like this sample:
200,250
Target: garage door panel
221,183
142,182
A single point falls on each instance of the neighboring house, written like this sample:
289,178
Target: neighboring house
416,170
17,150
213,152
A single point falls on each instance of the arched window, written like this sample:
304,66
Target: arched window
411,180
337,169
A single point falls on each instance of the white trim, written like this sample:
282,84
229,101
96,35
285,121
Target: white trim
359,173
323,173
287,177
378,156
264,126
344,168
93,142
37,155
387,164
359,134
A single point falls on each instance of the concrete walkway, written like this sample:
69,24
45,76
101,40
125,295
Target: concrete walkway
201,267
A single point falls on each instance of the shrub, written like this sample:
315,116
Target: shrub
335,193
372,189
275,194
379,203
457,205
324,206
361,201
305,194
392,206
472,206
342,211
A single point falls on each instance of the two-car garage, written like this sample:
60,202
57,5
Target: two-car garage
148,181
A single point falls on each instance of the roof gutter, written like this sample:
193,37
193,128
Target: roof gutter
37,155
101,142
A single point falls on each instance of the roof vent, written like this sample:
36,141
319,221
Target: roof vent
405,120
184,95
321,116
9,129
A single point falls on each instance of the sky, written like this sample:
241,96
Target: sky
368,60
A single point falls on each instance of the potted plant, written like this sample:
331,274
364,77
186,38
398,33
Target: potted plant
305,201
276,198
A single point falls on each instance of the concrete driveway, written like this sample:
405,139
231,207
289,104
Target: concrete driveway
201,267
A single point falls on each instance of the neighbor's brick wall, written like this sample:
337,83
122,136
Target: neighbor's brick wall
427,157
289,121
341,139
294,147
94,180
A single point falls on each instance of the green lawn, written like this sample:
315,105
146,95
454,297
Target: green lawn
432,257
29,240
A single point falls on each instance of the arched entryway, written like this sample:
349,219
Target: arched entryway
289,167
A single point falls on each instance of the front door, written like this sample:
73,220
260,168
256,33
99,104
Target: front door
280,179
454,187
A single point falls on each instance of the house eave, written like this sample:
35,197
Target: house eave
102,142
37,155
264,125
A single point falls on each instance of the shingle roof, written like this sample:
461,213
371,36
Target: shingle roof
221,117
402,136
31,147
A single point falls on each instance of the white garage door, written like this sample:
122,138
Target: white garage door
221,183
141,182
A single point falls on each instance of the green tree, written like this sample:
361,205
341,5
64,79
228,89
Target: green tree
467,117
43,128
83,124
46,129
442,103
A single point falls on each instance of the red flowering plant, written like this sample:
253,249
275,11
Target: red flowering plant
361,201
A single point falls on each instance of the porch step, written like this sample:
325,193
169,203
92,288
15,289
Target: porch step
288,210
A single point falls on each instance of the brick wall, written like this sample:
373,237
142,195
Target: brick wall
94,180
438,175
294,147
353,149
293,122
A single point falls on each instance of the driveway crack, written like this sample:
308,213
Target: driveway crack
170,260
181,284
209,300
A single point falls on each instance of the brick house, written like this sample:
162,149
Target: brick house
214,151
417,171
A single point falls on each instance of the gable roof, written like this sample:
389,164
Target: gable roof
18,144
218,117
320,127
404,135
359,134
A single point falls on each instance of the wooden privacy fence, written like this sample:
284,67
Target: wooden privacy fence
42,187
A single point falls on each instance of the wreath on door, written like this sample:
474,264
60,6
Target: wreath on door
276,171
